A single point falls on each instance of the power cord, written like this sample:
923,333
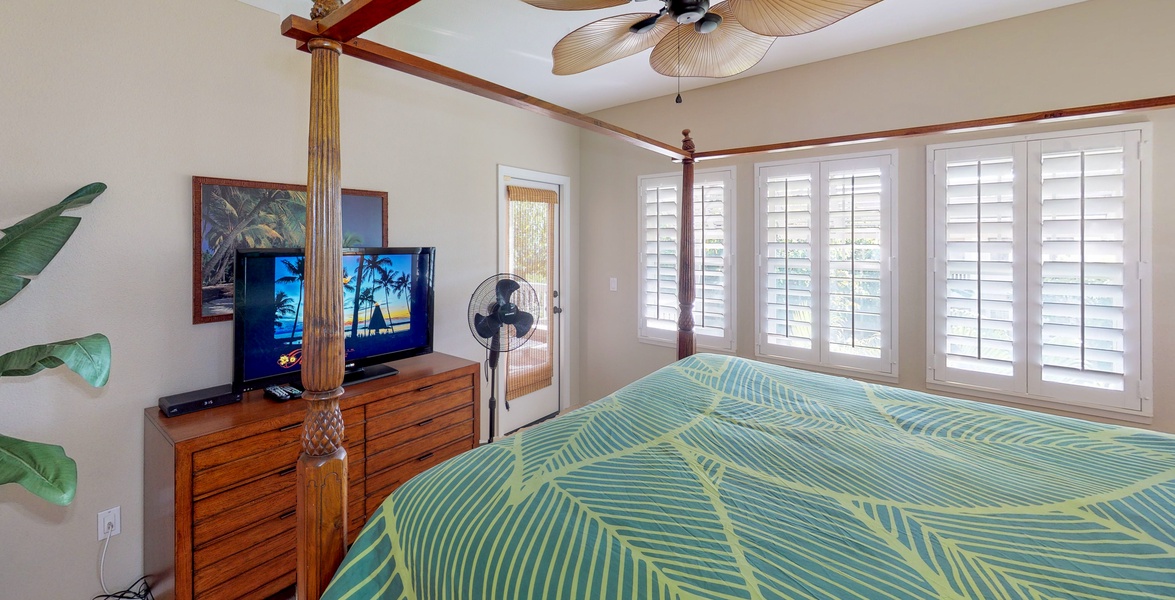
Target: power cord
139,590
102,562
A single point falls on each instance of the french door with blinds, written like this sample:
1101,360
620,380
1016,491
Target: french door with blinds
531,249
826,278
1037,264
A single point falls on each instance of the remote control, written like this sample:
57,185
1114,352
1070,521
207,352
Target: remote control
278,393
292,391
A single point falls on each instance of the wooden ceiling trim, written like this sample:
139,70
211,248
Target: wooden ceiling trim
356,17
303,30
1093,110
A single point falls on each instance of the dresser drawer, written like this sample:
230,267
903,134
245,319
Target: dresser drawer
379,485
210,524
232,464
415,448
223,513
417,415
407,401
262,581
218,564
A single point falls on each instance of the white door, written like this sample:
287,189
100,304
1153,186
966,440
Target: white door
531,238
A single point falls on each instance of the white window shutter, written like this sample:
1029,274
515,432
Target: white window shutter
1087,299
1036,253
978,280
826,263
857,311
789,255
713,258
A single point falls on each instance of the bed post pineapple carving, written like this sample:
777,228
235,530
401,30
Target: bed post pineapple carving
322,467
685,253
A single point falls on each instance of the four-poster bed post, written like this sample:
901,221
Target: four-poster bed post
322,467
685,253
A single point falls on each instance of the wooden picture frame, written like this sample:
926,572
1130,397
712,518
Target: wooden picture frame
234,213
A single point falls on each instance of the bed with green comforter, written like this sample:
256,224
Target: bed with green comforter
719,477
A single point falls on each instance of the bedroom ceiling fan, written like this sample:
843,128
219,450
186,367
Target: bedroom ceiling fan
722,39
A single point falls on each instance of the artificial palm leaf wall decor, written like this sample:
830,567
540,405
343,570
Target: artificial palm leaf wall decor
25,250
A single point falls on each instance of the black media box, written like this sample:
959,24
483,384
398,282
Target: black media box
182,404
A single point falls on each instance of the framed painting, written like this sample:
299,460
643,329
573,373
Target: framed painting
232,213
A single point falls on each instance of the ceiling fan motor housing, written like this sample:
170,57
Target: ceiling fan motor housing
688,11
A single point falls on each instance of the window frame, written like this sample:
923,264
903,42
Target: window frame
727,343
884,368
1029,387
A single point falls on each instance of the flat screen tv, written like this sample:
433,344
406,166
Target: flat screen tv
387,312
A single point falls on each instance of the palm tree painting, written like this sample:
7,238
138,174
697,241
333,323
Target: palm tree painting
247,214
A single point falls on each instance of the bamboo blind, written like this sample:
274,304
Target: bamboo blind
532,239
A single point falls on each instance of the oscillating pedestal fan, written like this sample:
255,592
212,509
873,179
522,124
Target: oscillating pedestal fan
501,317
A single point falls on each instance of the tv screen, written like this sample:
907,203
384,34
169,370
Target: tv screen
387,312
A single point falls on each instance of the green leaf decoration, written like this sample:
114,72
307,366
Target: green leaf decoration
88,357
29,245
42,469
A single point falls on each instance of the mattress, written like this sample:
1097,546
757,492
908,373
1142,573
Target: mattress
721,478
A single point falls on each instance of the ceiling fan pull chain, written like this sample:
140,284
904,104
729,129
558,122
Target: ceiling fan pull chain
677,32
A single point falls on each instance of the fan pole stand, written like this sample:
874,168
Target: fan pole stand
495,353
493,361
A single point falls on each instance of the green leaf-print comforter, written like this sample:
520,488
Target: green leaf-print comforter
722,478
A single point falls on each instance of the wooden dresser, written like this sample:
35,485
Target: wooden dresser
218,491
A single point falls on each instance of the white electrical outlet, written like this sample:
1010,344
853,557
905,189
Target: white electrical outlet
109,520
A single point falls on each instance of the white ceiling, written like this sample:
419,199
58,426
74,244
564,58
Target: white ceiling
509,42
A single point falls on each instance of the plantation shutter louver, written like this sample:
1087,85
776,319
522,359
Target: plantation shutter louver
712,258
531,367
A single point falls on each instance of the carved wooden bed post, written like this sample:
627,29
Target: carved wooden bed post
322,467
685,253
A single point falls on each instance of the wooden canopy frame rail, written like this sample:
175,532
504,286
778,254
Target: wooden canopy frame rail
322,467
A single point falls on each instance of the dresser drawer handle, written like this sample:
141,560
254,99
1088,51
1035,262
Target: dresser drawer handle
289,427
424,457
424,422
288,471
427,387
288,514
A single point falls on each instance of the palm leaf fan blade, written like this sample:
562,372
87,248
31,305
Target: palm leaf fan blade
728,50
601,42
575,4
781,18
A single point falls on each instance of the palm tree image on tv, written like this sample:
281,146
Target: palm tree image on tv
297,275
377,297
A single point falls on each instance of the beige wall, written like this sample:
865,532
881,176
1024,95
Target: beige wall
1038,62
142,95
